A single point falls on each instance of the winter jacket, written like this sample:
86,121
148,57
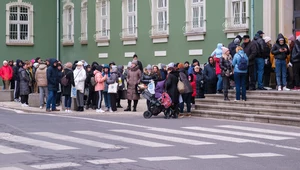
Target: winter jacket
185,81
193,84
159,88
113,78
171,86
296,53
225,65
232,48
236,61
146,79
218,51
217,65
260,45
134,76
6,72
272,56
121,76
199,84
250,50
24,81
163,74
276,47
41,76
191,68
53,76
79,79
209,74
66,90
100,80
16,70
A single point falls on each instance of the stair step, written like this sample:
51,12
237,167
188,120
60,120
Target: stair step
282,120
271,93
268,99
249,110
253,104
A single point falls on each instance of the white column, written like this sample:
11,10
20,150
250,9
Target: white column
269,19
286,9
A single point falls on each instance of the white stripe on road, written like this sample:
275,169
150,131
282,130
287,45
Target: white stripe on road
219,156
202,135
56,165
164,158
33,142
77,140
8,150
261,130
110,161
262,136
260,155
163,137
123,139
10,168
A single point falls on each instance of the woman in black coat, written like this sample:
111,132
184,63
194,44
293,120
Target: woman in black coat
66,90
172,90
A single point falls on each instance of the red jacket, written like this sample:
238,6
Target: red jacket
217,62
193,84
6,72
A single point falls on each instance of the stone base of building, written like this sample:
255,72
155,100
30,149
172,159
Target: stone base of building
6,95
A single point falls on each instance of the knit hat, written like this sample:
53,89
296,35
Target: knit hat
35,65
105,66
32,61
5,62
162,66
134,62
180,66
292,38
170,65
99,68
194,61
237,41
224,50
114,68
129,64
149,67
267,39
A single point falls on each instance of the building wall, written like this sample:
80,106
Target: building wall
44,32
177,47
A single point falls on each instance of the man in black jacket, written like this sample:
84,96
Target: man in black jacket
53,83
232,46
295,59
19,63
135,57
210,77
250,49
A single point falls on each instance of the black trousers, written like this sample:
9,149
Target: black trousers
211,87
225,85
92,98
251,80
296,70
186,97
267,75
12,84
119,98
113,101
24,99
17,90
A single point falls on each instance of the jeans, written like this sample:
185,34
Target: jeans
220,82
106,99
186,97
51,100
260,64
240,81
296,70
43,95
79,99
68,101
280,72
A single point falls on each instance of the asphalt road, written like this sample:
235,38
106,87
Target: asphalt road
130,142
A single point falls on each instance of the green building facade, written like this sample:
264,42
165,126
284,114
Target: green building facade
158,31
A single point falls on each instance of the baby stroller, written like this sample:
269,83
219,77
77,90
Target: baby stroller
156,106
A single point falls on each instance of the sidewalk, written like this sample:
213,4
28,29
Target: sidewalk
17,106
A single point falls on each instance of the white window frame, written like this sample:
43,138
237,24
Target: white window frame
102,35
129,33
241,22
195,33
84,22
159,36
30,34
68,23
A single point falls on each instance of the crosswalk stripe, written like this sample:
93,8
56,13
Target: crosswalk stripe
77,140
34,142
55,165
164,158
261,130
8,150
202,135
219,156
10,168
123,139
262,136
260,155
110,161
163,137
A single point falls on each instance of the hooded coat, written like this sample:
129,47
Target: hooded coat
296,53
171,86
133,79
184,78
272,56
276,47
251,51
232,46
41,75
66,90
209,73
24,81
53,76
218,51
79,78
260,45
6,72
100,80
191,68
16,70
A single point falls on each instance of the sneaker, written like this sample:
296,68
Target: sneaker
41,107
110,110
106,109
67,111
100,111
17,100
236,100
286,89
25,105
279,88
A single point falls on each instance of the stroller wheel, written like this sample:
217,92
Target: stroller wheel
147,114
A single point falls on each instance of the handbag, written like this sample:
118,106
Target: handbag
112,88
180,86
123,95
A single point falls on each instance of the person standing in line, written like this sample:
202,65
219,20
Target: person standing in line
6,73
139,63
106,96
217,54
121,84
58,95
24,85
295,59
53,81
79,79
250,49
19,64
235,43
41,80
210,77
268,65
66,90
226,68
99,87
111,80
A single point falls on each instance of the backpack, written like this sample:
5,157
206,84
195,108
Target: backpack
166,100
64,80
180,86
242,65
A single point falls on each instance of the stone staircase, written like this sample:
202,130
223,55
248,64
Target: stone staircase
261,106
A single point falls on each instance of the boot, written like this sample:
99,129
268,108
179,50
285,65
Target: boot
78,109
81,108
135,102
226,97
129,106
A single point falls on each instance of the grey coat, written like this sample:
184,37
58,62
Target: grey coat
133,79
24,81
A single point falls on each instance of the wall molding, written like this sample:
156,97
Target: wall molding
103,55
194,52
160,53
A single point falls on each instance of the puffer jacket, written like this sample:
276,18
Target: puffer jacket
272,56
296,53
24,81
100,80
66,90
41,75
6,72
275,50
79,79
53,78
146,78
236,61
133,79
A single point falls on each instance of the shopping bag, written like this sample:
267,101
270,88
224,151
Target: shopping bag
73,92
151,87
112,88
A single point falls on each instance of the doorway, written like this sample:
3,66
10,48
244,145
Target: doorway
297,17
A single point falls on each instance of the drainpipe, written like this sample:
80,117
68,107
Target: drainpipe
252,18
57,29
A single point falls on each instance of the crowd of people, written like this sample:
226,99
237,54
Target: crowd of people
245,65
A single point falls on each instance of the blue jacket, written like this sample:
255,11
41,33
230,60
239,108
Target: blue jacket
236,60
52,76
218,51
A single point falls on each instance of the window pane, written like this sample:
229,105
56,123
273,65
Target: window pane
13,31
104,5
13,13
23,17
297,5
195,1
23,31
130,5
244,9
195,17
297,23
131,24
236,12
70,14
201,16
162,3
160,21
104,29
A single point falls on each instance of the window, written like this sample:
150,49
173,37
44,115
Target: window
102,22
236,14
84,22
19,23
129,22
160,19
68,23
195,26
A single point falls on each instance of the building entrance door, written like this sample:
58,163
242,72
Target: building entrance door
297,17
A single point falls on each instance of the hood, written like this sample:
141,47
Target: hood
114,69
94,65
213,60
219,46
280,36
18,62
241,52
120,68
256,37
52,61
42,66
